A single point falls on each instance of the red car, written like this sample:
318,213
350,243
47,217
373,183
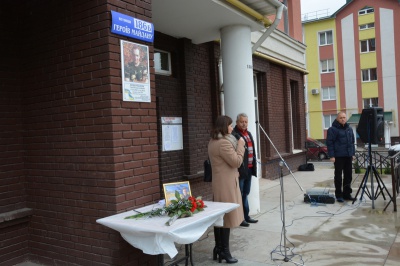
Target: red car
316,149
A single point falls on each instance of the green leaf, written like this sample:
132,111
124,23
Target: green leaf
132,216
177,195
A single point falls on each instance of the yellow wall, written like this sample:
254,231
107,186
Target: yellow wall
369,89
368,60
364,19
366,34
311,39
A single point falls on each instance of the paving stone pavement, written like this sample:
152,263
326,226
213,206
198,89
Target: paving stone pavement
317,234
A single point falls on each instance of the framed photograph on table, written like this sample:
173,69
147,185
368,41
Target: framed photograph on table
182,187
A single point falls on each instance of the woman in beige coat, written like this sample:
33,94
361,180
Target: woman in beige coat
226,155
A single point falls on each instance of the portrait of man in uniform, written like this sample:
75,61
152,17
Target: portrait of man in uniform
135,63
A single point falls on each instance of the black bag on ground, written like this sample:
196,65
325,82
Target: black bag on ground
306,167
207,171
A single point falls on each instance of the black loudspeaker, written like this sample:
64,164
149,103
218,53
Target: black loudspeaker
371,120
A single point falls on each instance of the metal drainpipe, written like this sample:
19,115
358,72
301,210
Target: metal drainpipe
286,19
280,7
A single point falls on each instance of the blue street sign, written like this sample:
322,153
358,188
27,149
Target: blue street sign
132,27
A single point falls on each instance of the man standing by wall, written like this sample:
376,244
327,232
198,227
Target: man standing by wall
249,163
340,142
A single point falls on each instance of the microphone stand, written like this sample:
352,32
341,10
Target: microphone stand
283,213
282,160
281,163
285,258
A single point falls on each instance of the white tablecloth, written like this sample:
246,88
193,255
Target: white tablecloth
153,237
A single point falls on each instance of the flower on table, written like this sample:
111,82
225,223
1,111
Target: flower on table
178,208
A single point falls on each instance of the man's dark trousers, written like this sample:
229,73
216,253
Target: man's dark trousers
245,185
343,165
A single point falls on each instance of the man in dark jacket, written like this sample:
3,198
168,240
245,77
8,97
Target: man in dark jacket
341,150
249,166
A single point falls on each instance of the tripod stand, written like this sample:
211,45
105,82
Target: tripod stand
371,170
282,199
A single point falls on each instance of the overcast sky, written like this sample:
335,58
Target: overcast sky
316,5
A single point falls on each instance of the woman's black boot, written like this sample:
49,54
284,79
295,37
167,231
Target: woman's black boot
225,254
217,236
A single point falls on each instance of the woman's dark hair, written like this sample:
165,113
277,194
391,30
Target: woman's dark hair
221,126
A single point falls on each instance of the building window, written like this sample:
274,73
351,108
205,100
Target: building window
295,108
328,120
370,102
325,38
367,26
366,10
369,74
327,66
162,62
367,45
329,93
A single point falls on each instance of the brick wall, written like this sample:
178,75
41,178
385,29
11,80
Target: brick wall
298,107
14,232
274,92
87,154
11,154
186,94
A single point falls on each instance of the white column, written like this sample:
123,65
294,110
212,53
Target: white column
239,88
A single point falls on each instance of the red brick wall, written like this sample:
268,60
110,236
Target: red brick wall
11,154
273,95
186,94
13,236
87,154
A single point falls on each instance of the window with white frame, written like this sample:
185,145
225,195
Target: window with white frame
162,62
327,66
325,38
328,93
366,10
369,74
367,26
367,45
370,102
328,120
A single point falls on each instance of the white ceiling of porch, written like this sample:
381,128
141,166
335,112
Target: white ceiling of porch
201,20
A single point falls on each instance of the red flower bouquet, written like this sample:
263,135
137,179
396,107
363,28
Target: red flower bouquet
178,208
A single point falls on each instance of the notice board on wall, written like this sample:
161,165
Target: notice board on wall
172,137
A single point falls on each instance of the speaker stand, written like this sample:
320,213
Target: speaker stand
371,170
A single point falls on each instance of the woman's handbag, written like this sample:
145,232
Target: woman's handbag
207,171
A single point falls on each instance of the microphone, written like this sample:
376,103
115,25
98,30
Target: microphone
236,135
281,164
256,122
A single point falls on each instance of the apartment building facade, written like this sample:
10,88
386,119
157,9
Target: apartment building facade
353,59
